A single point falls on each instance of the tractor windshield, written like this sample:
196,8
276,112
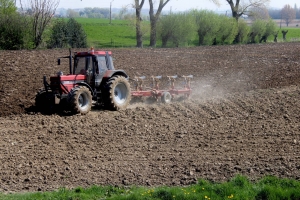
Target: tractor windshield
105,62
101,63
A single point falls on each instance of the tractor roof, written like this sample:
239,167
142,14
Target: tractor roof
92,52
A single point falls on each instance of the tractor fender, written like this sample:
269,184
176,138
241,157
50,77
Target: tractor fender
86,85
110,73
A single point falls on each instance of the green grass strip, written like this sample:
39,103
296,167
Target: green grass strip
239,187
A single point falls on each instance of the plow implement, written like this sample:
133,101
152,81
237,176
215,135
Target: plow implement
154,91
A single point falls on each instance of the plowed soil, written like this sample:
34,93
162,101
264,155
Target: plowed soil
243,118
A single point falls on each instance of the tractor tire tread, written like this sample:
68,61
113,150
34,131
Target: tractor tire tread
73,100
108,92
42,103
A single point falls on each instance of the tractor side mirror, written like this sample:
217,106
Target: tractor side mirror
58,61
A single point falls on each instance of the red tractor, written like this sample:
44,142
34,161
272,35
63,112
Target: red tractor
92,78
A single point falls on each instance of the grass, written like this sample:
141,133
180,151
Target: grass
100,33
292,36
239,187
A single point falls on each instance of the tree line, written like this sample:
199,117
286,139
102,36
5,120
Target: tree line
212,29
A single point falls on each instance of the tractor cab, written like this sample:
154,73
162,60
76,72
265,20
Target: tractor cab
89,68
92,61
93,65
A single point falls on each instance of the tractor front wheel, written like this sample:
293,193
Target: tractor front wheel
80,100
116,93
43,102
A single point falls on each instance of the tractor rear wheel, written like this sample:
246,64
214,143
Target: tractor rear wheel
80,100
116,93
43,101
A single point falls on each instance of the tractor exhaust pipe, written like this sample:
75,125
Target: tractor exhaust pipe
70,60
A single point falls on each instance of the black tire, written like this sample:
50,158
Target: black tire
116,93
166,97
80,100
44,102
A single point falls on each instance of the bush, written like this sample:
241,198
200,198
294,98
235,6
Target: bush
67,34
207,23
76,34
271,28
13,31
258,29
228,29
58,37
13,26
177,28
242,33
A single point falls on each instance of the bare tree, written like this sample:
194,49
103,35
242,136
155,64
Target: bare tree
239,8
288,14
138,19
154,18
42,12
284,34
122,12
258,13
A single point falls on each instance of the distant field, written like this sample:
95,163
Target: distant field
121,33
292,35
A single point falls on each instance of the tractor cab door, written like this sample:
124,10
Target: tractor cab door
101,68
85,65
90,70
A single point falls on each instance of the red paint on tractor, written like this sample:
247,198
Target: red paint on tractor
66,81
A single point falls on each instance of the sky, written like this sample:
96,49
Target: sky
174,5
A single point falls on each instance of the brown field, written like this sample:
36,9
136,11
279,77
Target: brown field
243,118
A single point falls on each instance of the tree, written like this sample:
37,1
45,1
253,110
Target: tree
178,28
7,7
67,34
58,37
88,11
166,28
227,30
271,28
75,34
105,12
243,30
13,27
207,23
288,14
258,29
258,13
72,13
284,32
122,12
154,18
239,8
42,12
139,33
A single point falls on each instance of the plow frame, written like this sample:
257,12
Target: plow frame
156,92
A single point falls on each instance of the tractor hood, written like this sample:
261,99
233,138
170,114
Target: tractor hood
66,82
